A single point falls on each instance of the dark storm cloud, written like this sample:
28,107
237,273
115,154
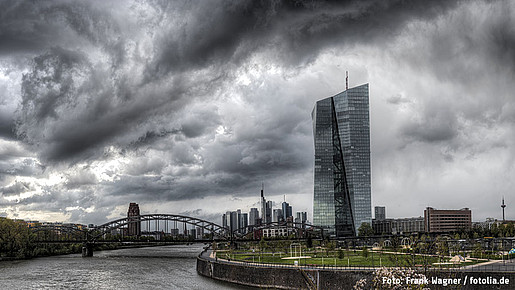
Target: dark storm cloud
7,127
226,31
438,123
475,61
22,29
144,85
72,104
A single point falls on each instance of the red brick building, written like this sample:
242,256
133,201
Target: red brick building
447,220
134,227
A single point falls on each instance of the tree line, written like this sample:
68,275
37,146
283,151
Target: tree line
18,242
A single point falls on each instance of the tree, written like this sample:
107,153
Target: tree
14,239
364,253
365,230
309,242
341,254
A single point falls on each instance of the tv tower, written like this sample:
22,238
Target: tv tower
503,206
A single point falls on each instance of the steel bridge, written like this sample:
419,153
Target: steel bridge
156,228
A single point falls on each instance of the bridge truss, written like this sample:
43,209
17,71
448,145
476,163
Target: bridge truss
166,224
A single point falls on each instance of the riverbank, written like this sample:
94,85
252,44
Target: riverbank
308,277
76,248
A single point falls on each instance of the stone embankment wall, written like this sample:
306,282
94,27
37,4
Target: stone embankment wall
278,277
295,278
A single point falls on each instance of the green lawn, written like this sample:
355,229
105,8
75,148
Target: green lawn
351,258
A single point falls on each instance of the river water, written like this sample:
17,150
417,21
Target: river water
168,267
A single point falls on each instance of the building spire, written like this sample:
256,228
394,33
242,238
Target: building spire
346,80
503,206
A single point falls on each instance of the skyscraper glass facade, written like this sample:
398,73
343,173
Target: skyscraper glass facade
341,130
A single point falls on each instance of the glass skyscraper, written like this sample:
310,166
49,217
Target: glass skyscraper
341,130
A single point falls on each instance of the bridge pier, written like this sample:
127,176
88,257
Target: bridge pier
87,250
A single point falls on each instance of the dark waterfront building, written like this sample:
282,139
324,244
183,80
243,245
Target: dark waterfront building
134,227
447,220
342,191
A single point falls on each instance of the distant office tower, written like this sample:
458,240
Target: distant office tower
287,210
301,217
380,213
224,221
263,205
134,227
239,219
233,221
277,215
253,217
228,220
200,232
342,162
244,222
268,208
192,233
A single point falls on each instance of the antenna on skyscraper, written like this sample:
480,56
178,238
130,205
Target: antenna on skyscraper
346,80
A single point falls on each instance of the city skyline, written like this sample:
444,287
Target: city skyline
187,109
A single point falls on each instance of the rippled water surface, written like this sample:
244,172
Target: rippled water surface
170,267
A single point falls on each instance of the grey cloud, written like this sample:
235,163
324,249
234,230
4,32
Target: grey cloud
7,127
197,122
73,105
430,130
224,31
397,99
16,188
21,167
11,150
145,85
80,178
146,165
199,213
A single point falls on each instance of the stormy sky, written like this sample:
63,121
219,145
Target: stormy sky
187,107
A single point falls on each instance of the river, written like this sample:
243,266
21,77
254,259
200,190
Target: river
168,267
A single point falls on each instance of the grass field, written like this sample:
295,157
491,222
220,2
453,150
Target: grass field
350,258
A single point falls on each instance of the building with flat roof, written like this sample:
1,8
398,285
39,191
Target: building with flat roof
342,191
398,226
380,213
447,220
